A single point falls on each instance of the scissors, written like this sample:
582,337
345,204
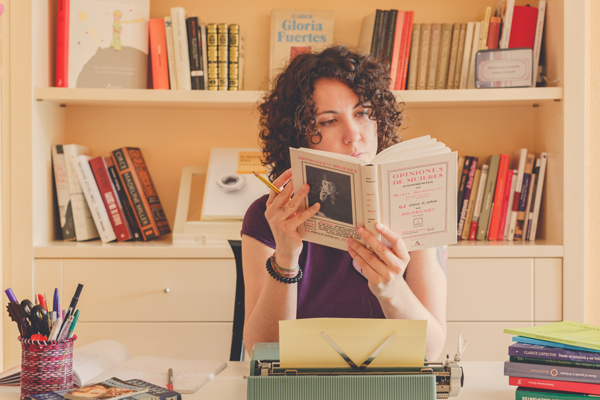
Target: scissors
39,319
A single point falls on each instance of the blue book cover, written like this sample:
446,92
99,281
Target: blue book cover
521,339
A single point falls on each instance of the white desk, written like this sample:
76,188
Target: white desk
483,380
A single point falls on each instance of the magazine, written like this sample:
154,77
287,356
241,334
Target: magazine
409,187
149,392
102,360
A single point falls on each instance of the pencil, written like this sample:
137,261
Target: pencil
266,182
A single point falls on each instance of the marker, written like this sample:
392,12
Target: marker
55,303
11,295
266,182
73,325
170,379
71,309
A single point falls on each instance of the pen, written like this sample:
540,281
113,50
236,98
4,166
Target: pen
11,295
55,305
71,309
42,301
266,182
65,329
170,379
73,325
55,329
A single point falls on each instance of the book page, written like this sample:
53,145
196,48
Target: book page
188,375
95,358
336,184
418,199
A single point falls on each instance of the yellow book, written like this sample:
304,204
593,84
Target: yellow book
566,332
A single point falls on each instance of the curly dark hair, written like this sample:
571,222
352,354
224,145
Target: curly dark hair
288,112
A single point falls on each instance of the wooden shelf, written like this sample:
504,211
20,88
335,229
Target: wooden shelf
248,98
164,248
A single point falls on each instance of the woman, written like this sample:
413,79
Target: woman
337,101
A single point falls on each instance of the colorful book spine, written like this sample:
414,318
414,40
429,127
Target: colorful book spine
533,360
63,196
460,55
540,342
141,193
376,32
397,43
486,206
453,56
93,198
553,353
85,228
158,54
409,18
485,28
62,43
506,14
538,197
518,162
531,200
424,56
170,53
467,195
523,393
471,208
123,199
180,44
566,386
204,52
537,45
212,55
195,53
434,55
508,186
383,29
111,200
479,202
444,63
523,197
522,32
554,372
390,36
509,207
222,56
236,55
494,33
413,64
498,198
462,184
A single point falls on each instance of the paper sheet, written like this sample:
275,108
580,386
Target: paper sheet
301,344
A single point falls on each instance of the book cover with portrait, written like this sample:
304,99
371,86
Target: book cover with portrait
295,32
102,44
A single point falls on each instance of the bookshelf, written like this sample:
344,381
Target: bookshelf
175,129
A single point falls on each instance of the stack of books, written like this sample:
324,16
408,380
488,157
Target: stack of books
559,361
111,198
501,200
105,45
442,55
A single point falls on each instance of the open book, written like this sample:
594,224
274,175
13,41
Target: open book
99,361
410,187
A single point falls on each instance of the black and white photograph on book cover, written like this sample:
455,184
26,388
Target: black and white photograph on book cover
333,190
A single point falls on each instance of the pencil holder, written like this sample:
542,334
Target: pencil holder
46,366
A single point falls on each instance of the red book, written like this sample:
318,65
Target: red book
110,199
564,386
505,201
498,198
396,52
62,43
158,54
494,33
402,80
522,30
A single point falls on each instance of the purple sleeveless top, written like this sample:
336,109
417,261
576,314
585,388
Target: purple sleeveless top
331,287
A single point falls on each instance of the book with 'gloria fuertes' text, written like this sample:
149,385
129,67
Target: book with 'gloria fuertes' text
410,187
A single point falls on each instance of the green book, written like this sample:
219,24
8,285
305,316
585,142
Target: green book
549,361
488,197
567,332
541,394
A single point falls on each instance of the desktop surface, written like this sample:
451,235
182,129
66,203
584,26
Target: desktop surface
483,380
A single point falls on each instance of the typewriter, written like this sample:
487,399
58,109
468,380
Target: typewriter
269,381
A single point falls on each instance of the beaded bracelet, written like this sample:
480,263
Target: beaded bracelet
280,278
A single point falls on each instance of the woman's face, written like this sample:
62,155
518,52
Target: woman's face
344,123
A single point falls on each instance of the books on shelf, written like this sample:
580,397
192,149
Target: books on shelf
63,195
506,202
105,359
230,186
442,55
562,373
297,31
409,187
158,54
113,198
102,44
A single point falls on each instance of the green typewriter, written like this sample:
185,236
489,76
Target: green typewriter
268,381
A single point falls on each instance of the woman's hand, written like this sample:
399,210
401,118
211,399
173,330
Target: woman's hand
383,267
283,219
